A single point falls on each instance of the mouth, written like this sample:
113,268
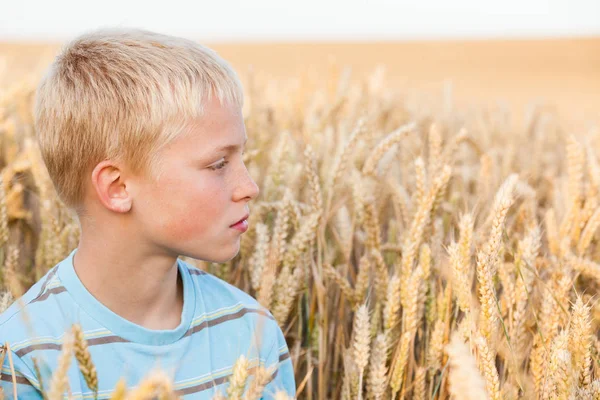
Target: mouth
245,217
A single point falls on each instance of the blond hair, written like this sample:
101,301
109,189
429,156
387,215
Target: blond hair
123,94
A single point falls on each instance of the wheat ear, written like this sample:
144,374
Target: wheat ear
84,359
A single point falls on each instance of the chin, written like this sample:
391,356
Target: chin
215,253
231,257
224,257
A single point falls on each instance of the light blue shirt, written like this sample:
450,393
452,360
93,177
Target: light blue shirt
219,322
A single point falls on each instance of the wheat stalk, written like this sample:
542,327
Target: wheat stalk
84,359
157,384
237,380
60,379
377,379
465,381
362,342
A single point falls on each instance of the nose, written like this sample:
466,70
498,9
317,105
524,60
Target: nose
246,189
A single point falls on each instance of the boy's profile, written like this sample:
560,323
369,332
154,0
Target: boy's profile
142,135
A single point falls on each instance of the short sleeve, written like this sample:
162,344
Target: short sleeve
26,382
283,377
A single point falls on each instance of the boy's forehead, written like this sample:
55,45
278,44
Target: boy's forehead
216,117
216,129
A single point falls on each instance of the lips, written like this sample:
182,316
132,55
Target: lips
243,218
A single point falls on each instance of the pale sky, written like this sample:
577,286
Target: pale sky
239,20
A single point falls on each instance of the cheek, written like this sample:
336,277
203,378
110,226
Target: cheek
193,209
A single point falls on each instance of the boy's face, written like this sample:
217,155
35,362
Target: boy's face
202,190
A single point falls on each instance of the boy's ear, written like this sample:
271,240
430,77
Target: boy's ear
108,182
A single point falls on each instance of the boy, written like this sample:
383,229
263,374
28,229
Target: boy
143,137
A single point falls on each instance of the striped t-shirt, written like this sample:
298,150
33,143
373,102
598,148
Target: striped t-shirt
219,322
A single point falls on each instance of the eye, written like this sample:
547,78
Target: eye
219,165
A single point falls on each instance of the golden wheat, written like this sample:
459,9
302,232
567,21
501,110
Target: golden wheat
384,228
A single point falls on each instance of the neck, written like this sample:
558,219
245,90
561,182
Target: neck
138,284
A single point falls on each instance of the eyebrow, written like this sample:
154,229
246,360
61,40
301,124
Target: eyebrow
230,147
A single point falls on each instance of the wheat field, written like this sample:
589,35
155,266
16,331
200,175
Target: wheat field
408,247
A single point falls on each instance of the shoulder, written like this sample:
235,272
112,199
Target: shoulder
37,313
222,304
31,322
21,309
220,293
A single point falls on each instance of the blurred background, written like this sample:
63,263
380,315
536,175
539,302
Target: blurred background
510,54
